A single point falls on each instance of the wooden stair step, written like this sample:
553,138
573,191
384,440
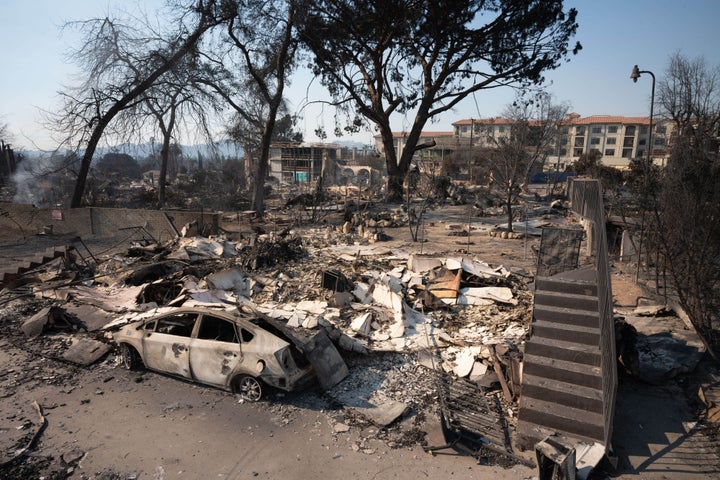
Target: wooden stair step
562,371
581,318
562,419
567,394
563,350
570,333
562,299
577,287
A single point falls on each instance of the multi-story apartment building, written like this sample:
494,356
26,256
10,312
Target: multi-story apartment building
617,139
306,162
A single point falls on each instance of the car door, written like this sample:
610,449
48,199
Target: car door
215,352
166,349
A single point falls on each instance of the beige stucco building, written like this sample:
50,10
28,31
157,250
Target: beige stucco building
618,139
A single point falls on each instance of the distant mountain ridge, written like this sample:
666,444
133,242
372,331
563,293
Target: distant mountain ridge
224,149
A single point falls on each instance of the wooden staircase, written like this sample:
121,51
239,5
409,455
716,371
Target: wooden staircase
562,381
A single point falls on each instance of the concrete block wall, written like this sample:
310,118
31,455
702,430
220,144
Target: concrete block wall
24,220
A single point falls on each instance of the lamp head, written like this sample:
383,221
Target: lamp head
635,74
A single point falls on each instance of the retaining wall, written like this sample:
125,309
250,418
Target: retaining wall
25,220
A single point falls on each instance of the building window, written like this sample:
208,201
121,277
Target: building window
643,130
609,152
501,129
563,152
630,130
659,141
577,152
641,141
565,130
596,130
595,141
464,129
611,141
661,129
612,129
629,142
579,130
627,153
579,141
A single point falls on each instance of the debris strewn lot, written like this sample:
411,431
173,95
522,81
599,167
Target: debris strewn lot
402,315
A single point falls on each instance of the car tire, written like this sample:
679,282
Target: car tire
248,388
130,357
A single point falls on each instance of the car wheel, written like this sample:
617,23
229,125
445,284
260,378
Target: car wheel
248,388
130,357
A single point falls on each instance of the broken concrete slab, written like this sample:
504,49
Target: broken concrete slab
422,263
362,323
85,351
362,292
111,299
587,457
211,298
312,306
94,318
384,296
478,371
470,295
378,408
341,299
52,318
330,368
427,359
476,267
351,344
465,361
33,326
232,279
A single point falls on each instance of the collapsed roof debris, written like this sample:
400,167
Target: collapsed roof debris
385,308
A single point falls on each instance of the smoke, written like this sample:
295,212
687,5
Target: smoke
41,181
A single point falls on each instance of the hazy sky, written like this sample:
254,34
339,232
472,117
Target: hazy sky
615,36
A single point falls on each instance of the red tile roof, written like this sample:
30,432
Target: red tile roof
422,134
572,119
594,119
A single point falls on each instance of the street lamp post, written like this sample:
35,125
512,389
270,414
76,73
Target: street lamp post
635,75
647,164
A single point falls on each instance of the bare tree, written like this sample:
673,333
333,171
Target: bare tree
262,54
688,207
533,124
177,100
121,62
422,57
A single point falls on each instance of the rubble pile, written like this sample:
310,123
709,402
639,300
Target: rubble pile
400,318
387,300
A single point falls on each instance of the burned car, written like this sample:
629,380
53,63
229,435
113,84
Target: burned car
226,349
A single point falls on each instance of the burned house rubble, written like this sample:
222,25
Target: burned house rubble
389,335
